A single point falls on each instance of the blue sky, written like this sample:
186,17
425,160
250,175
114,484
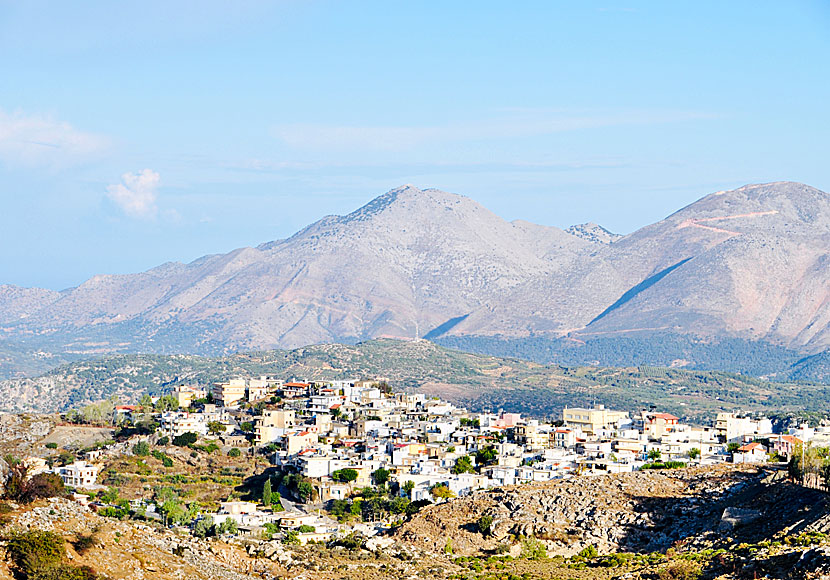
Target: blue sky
137,133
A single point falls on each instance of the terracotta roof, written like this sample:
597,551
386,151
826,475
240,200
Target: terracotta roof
750,446
666,416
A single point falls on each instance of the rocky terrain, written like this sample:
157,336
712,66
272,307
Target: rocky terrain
749,263
718,522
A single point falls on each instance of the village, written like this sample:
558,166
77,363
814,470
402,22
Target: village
336,447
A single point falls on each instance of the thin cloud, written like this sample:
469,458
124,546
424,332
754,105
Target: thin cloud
328,137
136,194
41,141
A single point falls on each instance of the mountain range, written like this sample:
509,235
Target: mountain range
751,264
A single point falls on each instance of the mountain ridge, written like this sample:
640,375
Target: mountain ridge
748,263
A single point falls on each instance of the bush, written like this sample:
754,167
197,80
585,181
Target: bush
83,542
352,541
533,549
588,552
51,445
234,452
142,449
680,570
38,555
185,439
306,529
485,524
24,489
165,460
163,441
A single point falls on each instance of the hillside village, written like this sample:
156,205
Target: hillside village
353,456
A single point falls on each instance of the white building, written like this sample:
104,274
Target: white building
79,474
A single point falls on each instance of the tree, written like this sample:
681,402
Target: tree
234,452
485,524
305,491
266,492
185,439
306,529
441,491
203,527
215,427
398,505
166,403
408,486
463,464
694,453
654,454
380,476
229,526
246,427
142,449
486,455
344,475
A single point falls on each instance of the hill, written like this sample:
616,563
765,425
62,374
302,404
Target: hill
477,381
749,264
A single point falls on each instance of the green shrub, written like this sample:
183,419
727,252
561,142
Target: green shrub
306,529
485,524
163,441
22,488
165,460
142,449
51,445
588,552
234,452
533,549
185,439
38,555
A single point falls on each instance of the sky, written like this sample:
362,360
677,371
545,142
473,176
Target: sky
137,133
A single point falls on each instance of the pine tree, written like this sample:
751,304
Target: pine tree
266,492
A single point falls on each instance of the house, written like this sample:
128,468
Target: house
230,393
175,423
79,474
656,425
591,421
733,428
186,394
244,513
750,453
273,424
785,445
299,440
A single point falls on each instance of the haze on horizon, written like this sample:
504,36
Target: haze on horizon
137,133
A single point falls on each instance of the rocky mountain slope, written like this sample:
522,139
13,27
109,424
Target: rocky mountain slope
750,263
696,523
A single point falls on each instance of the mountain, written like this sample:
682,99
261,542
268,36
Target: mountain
593,233
749,264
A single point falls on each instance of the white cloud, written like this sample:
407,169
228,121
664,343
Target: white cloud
41,141
136,195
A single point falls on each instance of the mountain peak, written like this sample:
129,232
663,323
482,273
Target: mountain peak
593,233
